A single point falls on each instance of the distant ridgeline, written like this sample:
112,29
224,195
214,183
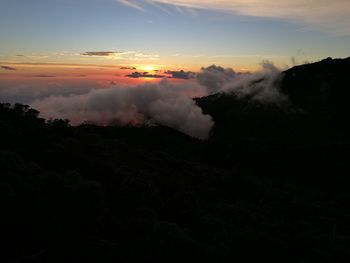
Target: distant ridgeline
318,104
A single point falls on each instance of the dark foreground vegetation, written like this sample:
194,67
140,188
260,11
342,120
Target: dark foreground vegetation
271,184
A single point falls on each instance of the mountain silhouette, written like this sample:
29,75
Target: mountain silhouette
317,102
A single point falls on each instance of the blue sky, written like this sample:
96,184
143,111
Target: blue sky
184,34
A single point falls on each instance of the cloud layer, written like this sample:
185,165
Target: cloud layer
167,103
163,103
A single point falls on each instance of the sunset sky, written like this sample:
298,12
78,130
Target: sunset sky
178,34
132,61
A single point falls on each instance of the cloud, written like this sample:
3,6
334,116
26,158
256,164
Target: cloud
27,93
262,86
137,56
137,75
7,68
173,74
163,103
44,76
323,15
100,53
132,4
181,74
32,56
214,77
126,68
122,55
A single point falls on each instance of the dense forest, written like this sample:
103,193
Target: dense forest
271,183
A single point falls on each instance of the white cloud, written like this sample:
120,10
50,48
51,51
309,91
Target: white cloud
132,4
162,103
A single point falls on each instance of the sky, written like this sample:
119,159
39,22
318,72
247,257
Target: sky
177,34
132,62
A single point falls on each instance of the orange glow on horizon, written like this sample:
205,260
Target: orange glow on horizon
149,68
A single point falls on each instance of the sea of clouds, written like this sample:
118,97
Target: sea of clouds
165,103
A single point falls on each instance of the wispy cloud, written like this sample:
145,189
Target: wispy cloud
128,68
322,15
44,76
7,68
123,55
100,53
160,7
34,56
132,4
136,56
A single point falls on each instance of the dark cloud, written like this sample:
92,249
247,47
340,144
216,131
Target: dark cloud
7,68
181,74
214,77
137,75
100,53
124,68
44,76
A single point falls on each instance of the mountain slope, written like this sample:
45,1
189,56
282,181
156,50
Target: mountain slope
318,101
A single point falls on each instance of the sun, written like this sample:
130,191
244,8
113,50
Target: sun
149,68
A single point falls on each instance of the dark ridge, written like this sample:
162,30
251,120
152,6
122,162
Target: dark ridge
318,95
319,88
